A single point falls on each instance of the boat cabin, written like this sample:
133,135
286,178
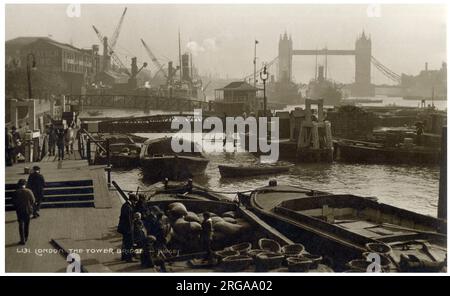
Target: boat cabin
238,97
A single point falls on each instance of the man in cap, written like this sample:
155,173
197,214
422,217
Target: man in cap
36,183
126,227
23,201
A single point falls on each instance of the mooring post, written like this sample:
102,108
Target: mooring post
108,163
442,203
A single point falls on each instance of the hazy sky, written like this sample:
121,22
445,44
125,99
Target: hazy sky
404,37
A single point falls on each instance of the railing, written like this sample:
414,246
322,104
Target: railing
86,150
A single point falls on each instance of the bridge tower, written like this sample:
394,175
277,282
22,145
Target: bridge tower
285,58
363,56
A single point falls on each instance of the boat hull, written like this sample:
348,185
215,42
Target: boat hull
228,171
368,154
305,219
172,167
119,161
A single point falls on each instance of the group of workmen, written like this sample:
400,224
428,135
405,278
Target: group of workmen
27,201
57,139
140,227
60,138
143,227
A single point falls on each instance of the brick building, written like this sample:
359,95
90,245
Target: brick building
60,67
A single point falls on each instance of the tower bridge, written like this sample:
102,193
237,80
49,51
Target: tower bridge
362,53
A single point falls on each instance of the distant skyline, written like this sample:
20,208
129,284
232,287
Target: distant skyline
221,37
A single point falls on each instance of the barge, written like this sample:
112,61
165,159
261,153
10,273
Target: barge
368,152
158,161
241,241
345,228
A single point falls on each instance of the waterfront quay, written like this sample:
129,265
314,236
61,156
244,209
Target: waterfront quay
61,223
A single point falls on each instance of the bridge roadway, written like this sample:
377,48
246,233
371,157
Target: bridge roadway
323,52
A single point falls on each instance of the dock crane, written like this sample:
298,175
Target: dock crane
112,42
115,35
154,59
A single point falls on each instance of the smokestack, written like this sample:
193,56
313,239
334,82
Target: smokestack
426,66
106,57
321,74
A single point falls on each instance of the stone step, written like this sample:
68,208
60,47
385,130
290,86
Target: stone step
78,193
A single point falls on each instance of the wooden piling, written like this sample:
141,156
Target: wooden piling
442,203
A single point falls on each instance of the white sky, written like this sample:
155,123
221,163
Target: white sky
404,37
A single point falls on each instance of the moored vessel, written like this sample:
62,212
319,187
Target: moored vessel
158,160
347,227
236,171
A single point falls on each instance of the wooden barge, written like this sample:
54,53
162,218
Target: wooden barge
124,150
237,171
360,151
343,228
158,161
241,241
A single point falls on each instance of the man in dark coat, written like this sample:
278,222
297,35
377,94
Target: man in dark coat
36,183
126,227
23,201
51,134
60,143
9,147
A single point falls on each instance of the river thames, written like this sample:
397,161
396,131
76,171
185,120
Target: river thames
410,187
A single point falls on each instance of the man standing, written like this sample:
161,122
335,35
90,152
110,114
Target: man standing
23,202
68,139
36,183
126,227
51,140
207,234
60,143
9,147
17,140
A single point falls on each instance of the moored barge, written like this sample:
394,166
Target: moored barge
367,152
343,228
158,160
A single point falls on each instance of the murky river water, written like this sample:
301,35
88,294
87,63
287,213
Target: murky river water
410,187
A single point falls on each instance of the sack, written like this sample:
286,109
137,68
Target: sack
192,217
177,210
216,219
231,214
227,228
230,220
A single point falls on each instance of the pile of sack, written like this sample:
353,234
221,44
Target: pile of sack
187,225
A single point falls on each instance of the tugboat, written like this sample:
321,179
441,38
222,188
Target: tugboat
158,161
